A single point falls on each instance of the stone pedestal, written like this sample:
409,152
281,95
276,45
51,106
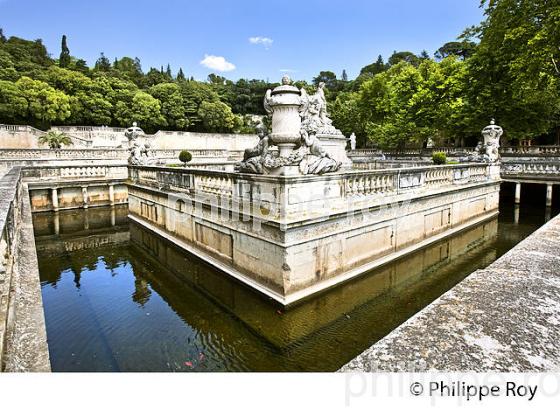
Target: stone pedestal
335,145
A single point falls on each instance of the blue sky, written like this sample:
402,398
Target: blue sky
248,39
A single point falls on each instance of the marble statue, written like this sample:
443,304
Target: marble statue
297,119
253,157
139,153
491,135
132,133
487,150
352,141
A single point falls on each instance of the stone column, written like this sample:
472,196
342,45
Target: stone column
85,196
518,192
548,195
516,214
54,198
113,216
112,195
547,214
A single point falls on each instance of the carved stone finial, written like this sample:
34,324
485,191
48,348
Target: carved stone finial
286,80
134,124
492,121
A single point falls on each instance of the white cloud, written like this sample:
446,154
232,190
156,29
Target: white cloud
217,63
265,41
287,70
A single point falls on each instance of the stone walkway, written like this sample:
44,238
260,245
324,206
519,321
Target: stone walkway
503,318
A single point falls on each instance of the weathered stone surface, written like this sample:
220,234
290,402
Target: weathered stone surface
316,231
27,349
23,345
502,318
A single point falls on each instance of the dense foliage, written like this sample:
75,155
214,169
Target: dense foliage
507,68
39,90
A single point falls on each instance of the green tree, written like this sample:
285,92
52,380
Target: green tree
144,109
180,75
172,104
102,64
327,77
13,105
64,59
461,49
129,69
514,75
216,116
45,105
7,67
406,56
194,94
154,77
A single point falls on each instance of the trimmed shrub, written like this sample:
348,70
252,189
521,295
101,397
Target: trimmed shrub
185,156
439,158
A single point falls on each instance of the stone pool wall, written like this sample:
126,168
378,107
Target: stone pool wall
504,318
290,237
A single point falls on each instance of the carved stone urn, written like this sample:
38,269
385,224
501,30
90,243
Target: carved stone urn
283,103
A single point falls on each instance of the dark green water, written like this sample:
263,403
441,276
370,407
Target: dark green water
118,298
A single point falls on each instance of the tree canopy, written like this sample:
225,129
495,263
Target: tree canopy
507,68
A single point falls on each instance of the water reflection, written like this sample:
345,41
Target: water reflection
119,298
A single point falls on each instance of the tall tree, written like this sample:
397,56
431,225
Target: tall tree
180,75
344,76
2,36
64,59
406,56
514,70
462,49
103,63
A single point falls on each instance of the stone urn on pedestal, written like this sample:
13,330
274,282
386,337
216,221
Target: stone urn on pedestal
283,104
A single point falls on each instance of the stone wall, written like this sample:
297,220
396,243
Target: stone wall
314,231
56,188
26,137
503,318
23,341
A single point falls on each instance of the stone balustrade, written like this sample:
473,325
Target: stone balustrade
76,172
299,197
516,151
23,345
531,168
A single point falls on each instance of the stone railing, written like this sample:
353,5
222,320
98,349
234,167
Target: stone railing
76,172
48,154
120,153
540,150
87,128
21,128
23,345
518,151
531,169
340,190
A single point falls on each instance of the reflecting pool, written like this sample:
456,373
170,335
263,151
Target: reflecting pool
119,298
